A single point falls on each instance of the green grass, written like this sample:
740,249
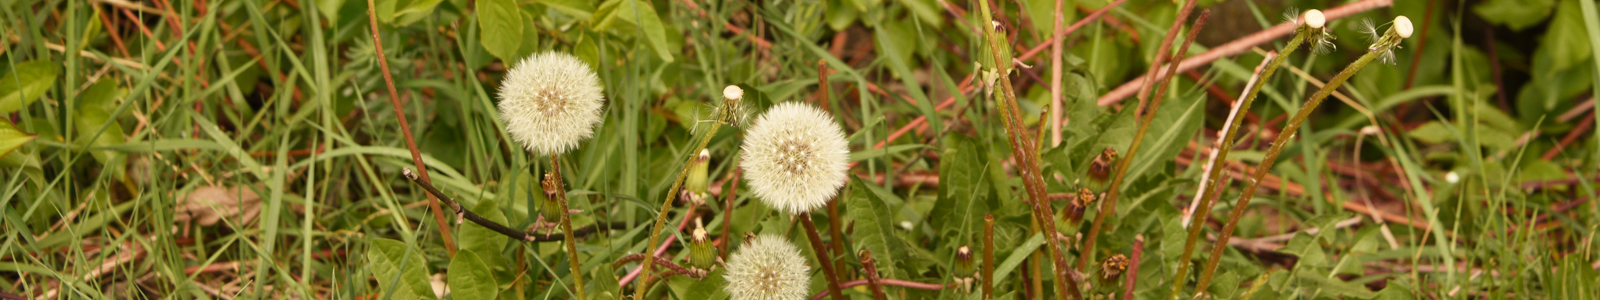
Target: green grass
124,112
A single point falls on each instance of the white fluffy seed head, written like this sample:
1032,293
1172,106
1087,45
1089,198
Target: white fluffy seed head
1315,19
1402,26
767,268
795,157
733,92
550,102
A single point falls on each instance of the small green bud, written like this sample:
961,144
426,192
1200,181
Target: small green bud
965,270
549,208
696,184
702,254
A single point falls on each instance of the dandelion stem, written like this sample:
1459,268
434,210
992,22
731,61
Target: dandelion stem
666,205
823,258
405,129
1027,163
560,193
988,256
1227,139
1277,147
871,269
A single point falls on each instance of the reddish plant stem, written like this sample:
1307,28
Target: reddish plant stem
1571,137
871,269
727,210
889,282
822,255
1427,21
405,128
988,256
1133,268
1146,110
1046,44
1244,44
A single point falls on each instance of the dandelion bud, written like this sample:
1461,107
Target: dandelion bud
1100,169
550,102
696,184
1112,268
702,255
965,270
795,158
1402,26
767,267
1315,19
549,208
1074,211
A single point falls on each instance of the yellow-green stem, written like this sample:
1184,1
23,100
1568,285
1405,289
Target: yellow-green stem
1227,139
1283,139
566,226
661,216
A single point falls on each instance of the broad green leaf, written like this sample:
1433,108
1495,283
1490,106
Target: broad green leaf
640,14
579,9
1334,286
386,257
92,114
1018,254
960,206
501,24
385,10
530,36
470,278
25,83
1174,125
330,9
11,138
840,15
1516,14
480,239
1566,40
874,229
415,11
1395,291
1226,286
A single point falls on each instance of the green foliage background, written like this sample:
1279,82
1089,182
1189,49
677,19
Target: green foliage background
121,111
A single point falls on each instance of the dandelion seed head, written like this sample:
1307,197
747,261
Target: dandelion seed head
1315,19
795,157
1402,26
550,102
767,267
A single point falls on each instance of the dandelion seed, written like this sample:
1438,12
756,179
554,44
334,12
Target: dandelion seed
550,102
767,267
795,158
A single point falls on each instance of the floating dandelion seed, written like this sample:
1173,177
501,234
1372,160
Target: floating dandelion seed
767,267
550,102
795,158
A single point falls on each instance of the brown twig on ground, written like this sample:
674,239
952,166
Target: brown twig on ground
1244,44
405,128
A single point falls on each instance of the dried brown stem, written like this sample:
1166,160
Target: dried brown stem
871,269
822,255
988,256
1244,44
405,129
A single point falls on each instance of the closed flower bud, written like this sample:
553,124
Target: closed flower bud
696,184
549,207
1074,211
702,255
1100,169
1111,269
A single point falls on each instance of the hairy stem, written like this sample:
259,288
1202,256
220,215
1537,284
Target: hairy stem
1227,138
871,269
1027,163
666,205
1272,156
1146,111
822,255
560,192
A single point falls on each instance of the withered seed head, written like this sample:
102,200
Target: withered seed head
1100,168
1113,267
